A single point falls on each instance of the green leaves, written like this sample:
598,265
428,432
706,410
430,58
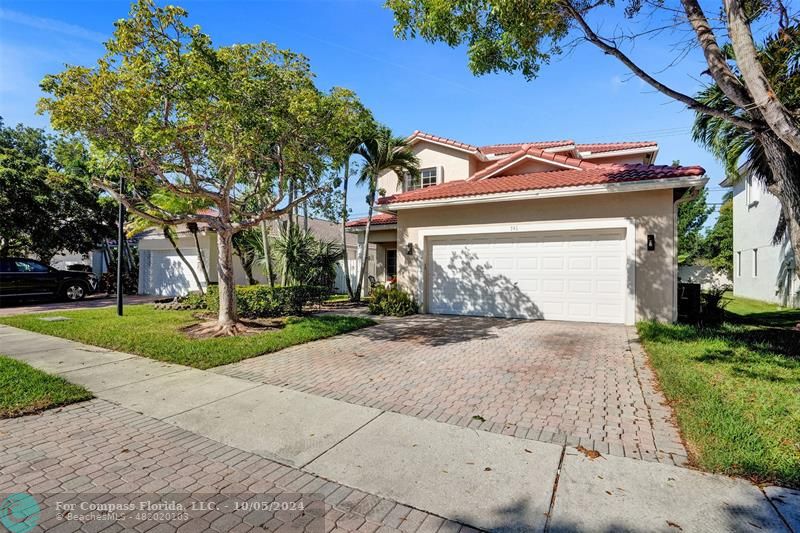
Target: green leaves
500,35
47,202
169,110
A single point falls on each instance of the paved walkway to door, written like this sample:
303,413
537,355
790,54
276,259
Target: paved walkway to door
562,382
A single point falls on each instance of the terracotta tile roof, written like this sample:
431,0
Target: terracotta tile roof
599,174
443,140
613,147
499,149
527,150
378,219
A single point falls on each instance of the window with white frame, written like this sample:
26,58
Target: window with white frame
755,263
426,178
752,191
738,263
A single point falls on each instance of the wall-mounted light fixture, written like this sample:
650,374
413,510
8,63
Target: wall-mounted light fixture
651,242
409,249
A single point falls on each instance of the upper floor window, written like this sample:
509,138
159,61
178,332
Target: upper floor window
755,262
752,191
426,178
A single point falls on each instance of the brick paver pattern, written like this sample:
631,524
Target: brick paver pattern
569,383
105,452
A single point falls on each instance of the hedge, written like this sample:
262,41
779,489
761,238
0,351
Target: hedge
255,301
392,302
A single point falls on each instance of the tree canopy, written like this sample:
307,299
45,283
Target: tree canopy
47,201
756,84
242,127
692,215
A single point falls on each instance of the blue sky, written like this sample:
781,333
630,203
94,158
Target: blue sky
409,85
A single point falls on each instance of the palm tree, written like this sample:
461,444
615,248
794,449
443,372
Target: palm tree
381,153
194,230
352,147
737,148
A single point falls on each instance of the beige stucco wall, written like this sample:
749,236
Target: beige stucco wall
651,212
457,165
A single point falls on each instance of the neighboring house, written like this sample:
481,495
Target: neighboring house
761,270
554,230
163,273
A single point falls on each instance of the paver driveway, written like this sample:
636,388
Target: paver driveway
584,384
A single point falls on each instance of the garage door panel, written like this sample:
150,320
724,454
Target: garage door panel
169,275
555,275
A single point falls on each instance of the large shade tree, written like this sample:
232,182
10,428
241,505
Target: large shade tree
522,35
46,200
241,127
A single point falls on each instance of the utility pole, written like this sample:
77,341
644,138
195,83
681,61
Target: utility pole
120,240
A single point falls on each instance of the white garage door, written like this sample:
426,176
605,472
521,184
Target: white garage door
574,275
169,275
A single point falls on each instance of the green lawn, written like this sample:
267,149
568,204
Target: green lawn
25,390
735,389
155,334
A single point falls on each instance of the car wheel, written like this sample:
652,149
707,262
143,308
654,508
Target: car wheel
74,291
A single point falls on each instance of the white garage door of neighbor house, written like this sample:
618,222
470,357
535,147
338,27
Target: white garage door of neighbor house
566,275
170,276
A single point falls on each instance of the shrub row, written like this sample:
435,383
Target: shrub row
392,302
255,301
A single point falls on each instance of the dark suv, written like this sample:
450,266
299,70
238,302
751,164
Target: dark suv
20,277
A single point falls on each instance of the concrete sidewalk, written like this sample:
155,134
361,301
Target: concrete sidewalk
481,479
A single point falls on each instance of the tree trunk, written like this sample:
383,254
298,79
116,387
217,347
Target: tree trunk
785,166
363,271
305,215
227,297
174,244
203,267
771,108
267,255
344,228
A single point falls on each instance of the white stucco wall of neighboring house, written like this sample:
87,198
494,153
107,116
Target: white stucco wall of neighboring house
761,270
707,277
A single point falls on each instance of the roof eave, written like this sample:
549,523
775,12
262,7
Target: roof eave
627,151
373,227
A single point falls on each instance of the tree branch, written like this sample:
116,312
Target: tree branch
268,214
612,50
715,58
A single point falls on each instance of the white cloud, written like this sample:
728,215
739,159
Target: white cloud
51,25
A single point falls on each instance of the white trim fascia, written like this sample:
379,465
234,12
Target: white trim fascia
614,153
626,223
582,190
373,227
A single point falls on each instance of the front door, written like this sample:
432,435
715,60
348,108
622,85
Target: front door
391,264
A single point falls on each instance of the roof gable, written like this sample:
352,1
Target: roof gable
527,152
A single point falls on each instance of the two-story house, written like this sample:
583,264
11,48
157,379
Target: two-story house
553,230
761,270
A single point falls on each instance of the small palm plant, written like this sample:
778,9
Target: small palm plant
305,260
